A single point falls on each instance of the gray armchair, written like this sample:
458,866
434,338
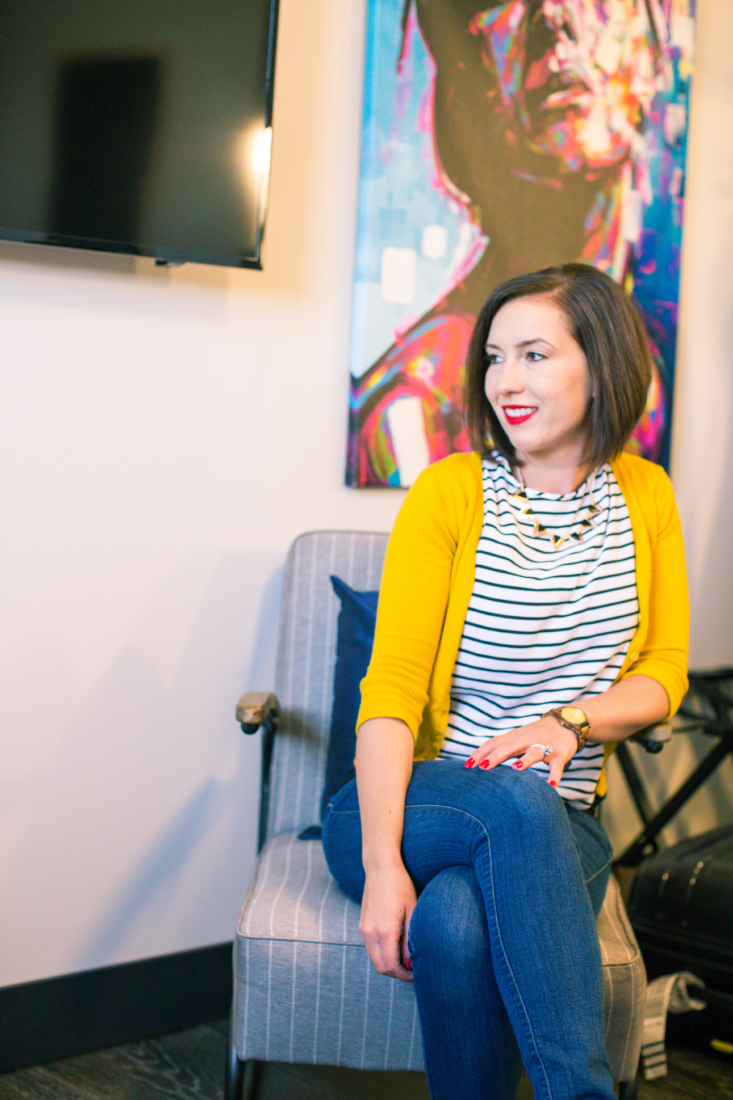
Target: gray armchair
304,988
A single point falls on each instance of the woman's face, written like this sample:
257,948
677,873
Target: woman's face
538,381
575,76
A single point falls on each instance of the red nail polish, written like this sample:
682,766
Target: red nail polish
470,762
552,782
408,963
485,765
518,765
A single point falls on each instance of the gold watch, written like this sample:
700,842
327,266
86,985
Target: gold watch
572,718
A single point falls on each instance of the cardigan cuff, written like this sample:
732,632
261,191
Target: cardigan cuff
386,703
669,675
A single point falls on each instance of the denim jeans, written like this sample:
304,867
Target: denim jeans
503,942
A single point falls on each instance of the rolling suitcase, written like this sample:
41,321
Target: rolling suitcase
681,909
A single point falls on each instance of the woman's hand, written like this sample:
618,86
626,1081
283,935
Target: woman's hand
631,704
527,743
386,908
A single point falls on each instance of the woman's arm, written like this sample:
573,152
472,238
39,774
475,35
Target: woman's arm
384,749
414,593
630,705
627,707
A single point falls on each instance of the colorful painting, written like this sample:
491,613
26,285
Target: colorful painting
499,139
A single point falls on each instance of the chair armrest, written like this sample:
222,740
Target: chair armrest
254,708
654,738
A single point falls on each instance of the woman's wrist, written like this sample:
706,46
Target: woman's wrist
382,862
574,719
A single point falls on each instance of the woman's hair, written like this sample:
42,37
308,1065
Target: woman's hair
607,327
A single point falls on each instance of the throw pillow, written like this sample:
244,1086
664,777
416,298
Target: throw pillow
354,640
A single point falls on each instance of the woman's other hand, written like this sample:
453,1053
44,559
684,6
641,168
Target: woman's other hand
387,905
527,744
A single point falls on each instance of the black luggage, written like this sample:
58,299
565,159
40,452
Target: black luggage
681,908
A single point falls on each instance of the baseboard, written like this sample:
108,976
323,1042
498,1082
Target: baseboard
57,1017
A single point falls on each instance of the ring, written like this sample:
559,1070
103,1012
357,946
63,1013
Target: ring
546,749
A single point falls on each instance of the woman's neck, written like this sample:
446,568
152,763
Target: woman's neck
557,476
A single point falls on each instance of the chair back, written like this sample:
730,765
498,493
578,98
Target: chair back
306,658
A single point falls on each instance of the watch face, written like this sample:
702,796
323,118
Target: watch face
574,715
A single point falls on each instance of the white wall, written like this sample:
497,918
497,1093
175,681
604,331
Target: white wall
163,437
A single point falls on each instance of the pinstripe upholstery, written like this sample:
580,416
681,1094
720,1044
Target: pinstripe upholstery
624,985
304,989
312,995
306,660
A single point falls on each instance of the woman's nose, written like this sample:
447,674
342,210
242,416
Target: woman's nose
511,380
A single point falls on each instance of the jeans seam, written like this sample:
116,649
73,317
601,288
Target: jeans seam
600,871
482,827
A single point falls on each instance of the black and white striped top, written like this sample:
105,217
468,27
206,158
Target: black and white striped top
544,626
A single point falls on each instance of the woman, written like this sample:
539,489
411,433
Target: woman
532,612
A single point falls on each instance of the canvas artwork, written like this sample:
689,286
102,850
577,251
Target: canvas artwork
499,139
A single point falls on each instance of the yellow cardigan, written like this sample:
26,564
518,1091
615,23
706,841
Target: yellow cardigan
428,579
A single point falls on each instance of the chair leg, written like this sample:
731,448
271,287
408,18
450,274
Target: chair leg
234,1076
251,1079
241,1078
629,1090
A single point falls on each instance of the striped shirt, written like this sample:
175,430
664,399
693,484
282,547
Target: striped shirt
544,626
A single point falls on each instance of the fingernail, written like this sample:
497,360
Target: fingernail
552,782
485,765
408,963
470,762
518,765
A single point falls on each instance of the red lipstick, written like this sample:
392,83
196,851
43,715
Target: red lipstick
517,414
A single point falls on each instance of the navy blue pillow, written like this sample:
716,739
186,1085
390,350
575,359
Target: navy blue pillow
354,641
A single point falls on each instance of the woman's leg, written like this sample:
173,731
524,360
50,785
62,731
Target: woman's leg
469,1046
513,829
468,1043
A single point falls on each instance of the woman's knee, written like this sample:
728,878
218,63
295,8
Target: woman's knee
526,804
448,925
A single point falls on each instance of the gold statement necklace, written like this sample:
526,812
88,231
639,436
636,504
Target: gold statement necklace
541,532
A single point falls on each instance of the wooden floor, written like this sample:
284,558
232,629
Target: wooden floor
189,1066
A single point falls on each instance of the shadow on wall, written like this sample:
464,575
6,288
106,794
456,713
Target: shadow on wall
70,279
158,871
140,836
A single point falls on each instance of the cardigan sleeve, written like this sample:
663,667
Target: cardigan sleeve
664,653
413,598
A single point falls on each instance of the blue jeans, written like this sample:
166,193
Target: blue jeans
503,941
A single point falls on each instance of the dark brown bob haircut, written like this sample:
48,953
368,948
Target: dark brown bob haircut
607,327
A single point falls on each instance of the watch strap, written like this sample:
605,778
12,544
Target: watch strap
581,732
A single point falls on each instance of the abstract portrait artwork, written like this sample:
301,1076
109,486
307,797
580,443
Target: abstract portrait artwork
498,139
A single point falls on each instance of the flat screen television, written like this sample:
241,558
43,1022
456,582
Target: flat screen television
137,126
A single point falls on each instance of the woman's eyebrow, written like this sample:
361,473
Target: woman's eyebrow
535,340
524,343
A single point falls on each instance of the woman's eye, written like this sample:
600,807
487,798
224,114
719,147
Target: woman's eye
535,356
491,358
